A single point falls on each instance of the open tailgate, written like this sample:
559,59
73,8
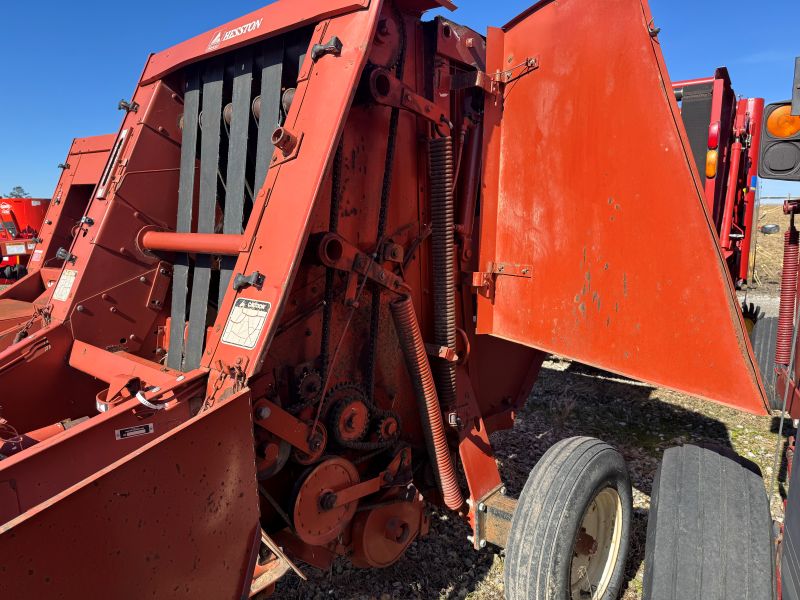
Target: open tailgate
594,233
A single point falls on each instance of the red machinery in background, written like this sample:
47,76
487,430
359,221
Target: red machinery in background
20,221
724,133
55,231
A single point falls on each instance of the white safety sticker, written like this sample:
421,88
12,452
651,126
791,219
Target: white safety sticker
36,203
37,255
65,284
136,431
245,323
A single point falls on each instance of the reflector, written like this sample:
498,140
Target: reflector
713,135
781,123
712,158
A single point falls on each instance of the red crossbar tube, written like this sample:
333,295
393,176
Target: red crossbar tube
196,243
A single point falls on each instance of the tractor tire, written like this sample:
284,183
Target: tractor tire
570,531
763,339
709,533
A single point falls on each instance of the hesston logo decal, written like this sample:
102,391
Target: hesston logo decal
221,37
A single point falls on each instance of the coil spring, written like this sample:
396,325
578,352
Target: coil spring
405,321
440,156
783,345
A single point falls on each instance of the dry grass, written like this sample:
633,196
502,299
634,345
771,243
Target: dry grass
767,255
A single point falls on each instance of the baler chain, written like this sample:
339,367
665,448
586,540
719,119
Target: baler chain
339,396
386,189
333,226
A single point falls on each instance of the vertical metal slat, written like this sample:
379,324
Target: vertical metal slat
271,79
209,169
180,278
237,160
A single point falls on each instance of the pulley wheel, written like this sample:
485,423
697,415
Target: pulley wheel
315,524
382,535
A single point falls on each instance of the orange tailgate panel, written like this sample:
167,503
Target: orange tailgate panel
176,518
590,184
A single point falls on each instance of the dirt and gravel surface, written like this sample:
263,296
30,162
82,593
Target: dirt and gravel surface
571,399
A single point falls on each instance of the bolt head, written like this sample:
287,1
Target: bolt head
482,507
482,544
263,412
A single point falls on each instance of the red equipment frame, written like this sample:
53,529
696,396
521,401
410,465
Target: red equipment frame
81,172
732,139
315,227
20,221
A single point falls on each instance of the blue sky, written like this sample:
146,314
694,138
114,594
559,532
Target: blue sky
65,65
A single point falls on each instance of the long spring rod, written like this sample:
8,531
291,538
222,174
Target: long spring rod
408,332
441,167
791,253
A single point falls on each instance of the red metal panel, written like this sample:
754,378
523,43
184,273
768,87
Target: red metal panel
755,111
589,181
92,155
265,22
173,519
279,226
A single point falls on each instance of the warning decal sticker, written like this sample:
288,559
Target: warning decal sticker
245,323
65,284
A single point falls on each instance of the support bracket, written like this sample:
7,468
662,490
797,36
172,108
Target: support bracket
387,90
493,516
484,281
337,253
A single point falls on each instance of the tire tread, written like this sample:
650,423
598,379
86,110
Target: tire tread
531,561
709,530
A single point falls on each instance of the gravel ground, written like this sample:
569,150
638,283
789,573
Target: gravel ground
569,399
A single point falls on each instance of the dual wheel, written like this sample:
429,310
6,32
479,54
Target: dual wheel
709,533
570,531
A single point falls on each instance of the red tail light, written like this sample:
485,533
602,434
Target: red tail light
713,135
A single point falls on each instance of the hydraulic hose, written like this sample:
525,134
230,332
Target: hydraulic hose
408,332
440,156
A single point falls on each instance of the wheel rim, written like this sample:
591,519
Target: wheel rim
597,547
